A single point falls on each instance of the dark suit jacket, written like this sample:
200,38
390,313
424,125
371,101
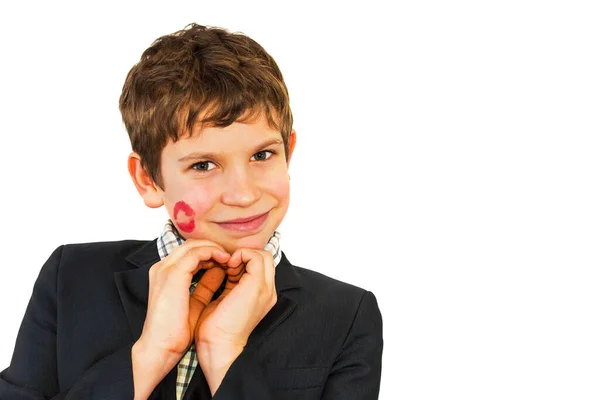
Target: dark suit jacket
322,340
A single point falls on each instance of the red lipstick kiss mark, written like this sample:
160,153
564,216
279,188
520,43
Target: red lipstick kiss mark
185,220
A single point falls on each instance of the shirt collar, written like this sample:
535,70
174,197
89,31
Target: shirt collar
169,240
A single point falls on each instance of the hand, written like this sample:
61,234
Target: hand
169,325
225,324
172,312
202,307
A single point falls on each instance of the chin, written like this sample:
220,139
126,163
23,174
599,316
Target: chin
258,242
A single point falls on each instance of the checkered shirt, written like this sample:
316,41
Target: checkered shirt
168,240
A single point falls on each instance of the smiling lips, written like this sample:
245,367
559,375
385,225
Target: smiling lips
248,224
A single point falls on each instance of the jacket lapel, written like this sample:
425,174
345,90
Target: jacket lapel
133,286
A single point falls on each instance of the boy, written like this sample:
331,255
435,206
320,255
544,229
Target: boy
212,307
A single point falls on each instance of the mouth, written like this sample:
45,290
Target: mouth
248,224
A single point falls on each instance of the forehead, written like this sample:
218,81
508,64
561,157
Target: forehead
237,137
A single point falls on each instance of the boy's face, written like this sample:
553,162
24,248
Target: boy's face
227,185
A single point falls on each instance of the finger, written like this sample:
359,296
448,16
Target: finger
191,259
196,309
269,268
230,284
235,260
232,271
203,294
190,244
209,264
251,258
234,274
259,263
244,256
208,285
194,259
228,287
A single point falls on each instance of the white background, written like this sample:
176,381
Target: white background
449,151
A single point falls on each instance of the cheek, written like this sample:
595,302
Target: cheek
279,186
191,207
183,215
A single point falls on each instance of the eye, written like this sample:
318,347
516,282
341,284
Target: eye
263,155
203,166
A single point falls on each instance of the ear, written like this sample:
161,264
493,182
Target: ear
150,191
291,146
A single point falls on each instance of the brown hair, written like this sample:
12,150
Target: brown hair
204,75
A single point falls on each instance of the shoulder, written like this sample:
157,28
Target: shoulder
121,248
326,292
309,277
328,312
320,282
99,256
94,263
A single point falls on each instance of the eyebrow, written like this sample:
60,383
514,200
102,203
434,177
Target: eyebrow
211,155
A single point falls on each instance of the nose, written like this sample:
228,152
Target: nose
241,188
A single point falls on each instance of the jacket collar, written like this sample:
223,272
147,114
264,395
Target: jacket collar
133,290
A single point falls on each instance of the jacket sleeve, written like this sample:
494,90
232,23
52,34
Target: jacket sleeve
33,372
356,372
